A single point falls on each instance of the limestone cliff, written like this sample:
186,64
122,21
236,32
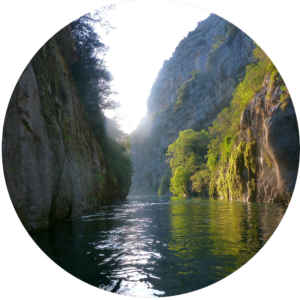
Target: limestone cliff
205,68
54,166
273,126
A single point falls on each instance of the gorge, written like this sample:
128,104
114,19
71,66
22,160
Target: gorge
191,91
219,112
59,159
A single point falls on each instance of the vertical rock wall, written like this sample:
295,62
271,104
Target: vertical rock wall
273,126
52,161
204,98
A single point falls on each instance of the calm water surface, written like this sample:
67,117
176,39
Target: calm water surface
152,246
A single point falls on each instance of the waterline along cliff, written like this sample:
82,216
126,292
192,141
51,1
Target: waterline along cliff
220,122
58,159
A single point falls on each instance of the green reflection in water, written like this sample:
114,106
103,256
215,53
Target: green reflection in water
152,246
220,235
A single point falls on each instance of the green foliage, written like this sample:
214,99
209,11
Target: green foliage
219,151
194,74
273,77
253,81
118,161
213,154
251,186
284,106
227,160
182,95
225,128
222,126
180,182
169,111
189,150
186,157
213,54
67,138
268,160
201,180
199,79
232,30
212,191
164,185
250,164
99,179
125,141
283,97
219,40
250,157
230,176
157,115
235,172
93,82
219,187
229,180
284,88
89,71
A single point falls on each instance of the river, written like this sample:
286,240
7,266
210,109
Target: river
151,246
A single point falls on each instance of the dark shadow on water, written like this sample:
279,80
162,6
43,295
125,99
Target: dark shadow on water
160,246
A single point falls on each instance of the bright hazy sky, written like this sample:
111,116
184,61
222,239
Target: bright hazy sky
147,33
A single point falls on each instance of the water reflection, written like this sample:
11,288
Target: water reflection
150,247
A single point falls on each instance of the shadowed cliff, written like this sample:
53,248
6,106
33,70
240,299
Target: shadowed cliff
55,167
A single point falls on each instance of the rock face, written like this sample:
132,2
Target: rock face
205,94
273,125
54,166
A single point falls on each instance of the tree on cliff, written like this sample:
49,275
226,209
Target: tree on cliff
90,72
200,180
189,150
180,182
225,130
93,81
186,156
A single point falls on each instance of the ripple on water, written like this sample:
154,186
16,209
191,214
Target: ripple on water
151,247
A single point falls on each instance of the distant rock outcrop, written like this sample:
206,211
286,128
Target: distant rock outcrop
190,90
54,166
